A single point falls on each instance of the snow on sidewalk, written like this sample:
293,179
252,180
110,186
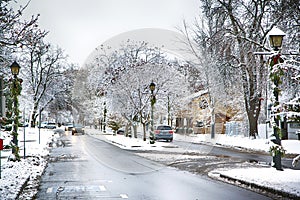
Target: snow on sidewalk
129,143
287,181
241,142
15,175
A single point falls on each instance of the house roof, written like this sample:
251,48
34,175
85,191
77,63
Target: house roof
196,95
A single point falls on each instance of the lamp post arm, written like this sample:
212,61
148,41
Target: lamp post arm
254,42
270,53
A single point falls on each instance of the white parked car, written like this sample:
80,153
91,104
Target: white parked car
51,125
43,124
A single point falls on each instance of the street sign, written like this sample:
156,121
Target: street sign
1,148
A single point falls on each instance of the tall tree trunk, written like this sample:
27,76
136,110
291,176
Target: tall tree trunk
34,115
252,104
144,130
134,129
253,130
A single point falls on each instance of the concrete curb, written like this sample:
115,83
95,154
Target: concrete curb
23,187
250,185
116,143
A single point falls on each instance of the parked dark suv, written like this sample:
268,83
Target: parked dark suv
77,128
69,126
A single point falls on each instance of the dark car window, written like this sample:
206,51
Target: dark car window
164,128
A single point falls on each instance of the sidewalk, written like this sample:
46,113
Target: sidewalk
281,183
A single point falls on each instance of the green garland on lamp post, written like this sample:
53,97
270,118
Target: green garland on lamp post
153,101
276,36
15,91
104,117
276,150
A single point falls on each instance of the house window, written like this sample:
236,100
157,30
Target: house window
203,104
295,125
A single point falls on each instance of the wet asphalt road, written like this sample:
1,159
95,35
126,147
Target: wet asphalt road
89,168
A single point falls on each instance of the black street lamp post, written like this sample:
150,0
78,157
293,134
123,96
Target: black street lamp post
15,90
153,100
276,37
104,117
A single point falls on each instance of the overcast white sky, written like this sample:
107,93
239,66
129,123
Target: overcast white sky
79,26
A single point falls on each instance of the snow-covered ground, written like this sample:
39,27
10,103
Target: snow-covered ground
287,181
15,174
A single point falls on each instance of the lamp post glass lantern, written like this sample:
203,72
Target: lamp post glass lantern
276,36
15,68
152,86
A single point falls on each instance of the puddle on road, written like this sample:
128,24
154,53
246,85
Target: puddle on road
84,192
65,158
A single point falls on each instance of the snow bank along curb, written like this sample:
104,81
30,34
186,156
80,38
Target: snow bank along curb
16,175
272,185
257,186
241,142
19,180
129,143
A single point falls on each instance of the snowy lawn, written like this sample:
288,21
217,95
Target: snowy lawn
291,146
15,174
286,181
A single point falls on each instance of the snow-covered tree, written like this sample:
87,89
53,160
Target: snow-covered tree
122,77
232,31
61,107
13,32
214,75
42,65
285,90
44,76
131,95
